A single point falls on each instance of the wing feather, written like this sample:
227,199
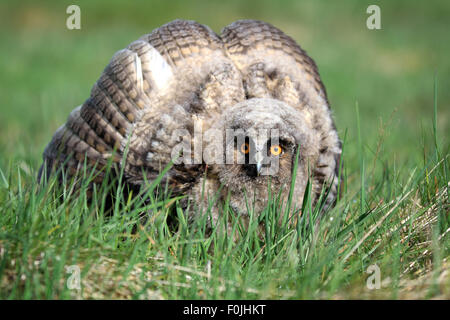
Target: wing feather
273,64
155,86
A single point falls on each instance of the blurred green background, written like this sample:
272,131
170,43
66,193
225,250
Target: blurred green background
46,70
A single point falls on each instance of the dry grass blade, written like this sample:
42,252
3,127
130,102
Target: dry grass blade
374,227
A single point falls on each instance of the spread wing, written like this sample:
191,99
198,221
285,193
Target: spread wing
273,64
148,91
198,82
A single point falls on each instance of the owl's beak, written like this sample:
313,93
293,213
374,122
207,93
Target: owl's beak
258,167
259,160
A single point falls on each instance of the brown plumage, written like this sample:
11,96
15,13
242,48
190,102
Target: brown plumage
183,77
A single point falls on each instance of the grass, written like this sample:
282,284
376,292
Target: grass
394,208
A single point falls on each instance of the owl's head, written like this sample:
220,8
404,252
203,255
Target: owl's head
261,138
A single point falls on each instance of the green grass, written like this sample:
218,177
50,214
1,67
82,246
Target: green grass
388,90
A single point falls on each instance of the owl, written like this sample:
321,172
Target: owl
220,117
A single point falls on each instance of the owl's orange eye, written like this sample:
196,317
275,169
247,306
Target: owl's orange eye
245,148
276,150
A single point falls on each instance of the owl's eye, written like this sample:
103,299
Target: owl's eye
276,150
245,148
